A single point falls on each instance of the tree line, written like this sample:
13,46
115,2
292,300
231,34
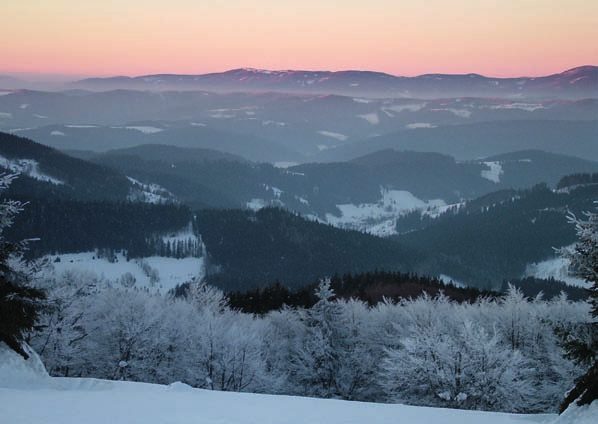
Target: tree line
62,226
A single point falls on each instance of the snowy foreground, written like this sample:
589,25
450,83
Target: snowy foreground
28,395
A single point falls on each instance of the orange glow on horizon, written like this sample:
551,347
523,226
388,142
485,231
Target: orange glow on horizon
131,37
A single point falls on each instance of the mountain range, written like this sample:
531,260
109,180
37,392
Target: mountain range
580,82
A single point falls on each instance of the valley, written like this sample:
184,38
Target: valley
289,177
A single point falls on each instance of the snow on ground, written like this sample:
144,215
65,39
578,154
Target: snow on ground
529,107
417,125
372,118
149,193
14,130
222,113
302,200
439,207
449,280
335,135
256,204
56,132
410,107
5,115
183,235
587,414
197,124
275,123
379,218
27,167
322,147
461,113
167,271
29,396
145,129
360,100
284,164
557,268
493,174
80,126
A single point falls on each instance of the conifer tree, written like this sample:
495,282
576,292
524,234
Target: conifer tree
20,303
582,346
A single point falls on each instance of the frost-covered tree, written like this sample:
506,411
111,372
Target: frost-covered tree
124,333
357,377
582,345
468,356
335,358
283,333
60,339
20,302
316,363
227,343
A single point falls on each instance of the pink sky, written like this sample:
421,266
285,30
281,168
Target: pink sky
135,37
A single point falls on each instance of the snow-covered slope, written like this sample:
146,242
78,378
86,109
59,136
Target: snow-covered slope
29,396
149,193
27,167
155,273
578,415
557,268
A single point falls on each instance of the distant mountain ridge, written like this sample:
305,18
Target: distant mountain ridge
579,82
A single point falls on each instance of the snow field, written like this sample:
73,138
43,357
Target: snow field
170,271
29,396
493,173
372,118
557,268
379,218
335,135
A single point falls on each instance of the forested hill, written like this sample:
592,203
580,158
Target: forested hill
47,172
494,238
63,226
254,249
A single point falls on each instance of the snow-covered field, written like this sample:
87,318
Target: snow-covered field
380,218
156,273
493,172
29,396
557,268
145,129
335,135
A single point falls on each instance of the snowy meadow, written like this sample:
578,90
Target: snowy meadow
29,396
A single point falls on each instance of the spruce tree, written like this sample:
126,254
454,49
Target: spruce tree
20,303
582,346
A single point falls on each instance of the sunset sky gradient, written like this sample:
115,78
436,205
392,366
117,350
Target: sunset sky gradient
136,37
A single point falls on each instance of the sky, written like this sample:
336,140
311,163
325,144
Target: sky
498,38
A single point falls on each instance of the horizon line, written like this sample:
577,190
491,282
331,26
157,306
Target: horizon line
58,76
